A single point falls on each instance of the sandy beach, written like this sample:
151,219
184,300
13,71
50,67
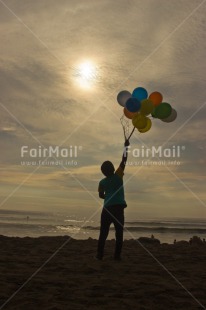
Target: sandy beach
72,279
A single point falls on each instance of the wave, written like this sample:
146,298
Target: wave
25,225
158,229
24,212
180,223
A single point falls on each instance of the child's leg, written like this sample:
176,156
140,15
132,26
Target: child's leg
119,227
104,231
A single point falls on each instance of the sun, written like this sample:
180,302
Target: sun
87,71
86,74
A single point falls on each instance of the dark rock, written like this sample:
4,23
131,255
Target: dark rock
146,240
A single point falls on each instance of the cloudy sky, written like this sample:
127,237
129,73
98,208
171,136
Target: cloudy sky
47,101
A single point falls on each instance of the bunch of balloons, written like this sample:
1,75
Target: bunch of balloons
138,106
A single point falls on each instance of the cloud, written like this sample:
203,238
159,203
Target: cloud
37,86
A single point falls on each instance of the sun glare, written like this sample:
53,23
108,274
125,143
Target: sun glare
86,74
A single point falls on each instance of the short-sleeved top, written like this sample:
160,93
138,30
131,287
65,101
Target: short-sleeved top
113,189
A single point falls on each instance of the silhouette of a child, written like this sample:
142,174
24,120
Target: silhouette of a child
111,189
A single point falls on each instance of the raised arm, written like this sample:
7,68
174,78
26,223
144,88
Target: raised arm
125,155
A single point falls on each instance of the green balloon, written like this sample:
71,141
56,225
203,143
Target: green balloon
163,110
171,118
153,114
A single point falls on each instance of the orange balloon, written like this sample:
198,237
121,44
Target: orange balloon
156,98
129,114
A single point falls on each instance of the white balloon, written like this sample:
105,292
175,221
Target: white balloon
123,96
170,118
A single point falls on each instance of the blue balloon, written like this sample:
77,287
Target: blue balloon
140,93
133,105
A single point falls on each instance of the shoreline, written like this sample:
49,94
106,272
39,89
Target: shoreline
148,240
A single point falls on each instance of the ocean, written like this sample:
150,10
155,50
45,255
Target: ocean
36,223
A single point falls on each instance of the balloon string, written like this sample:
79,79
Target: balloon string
124,134
131,133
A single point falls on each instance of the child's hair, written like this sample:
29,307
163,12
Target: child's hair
107,168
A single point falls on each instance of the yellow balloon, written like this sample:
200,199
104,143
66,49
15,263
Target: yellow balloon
147,127
139,121
147,106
